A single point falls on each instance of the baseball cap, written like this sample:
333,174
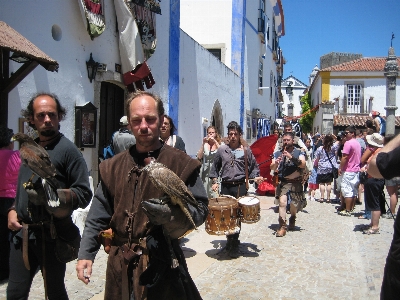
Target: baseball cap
123,121
374,113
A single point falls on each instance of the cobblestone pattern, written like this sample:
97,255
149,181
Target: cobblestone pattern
76,289
327,257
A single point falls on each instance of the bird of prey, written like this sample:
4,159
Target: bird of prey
169,183
37,159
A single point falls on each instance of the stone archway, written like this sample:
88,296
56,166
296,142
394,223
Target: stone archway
216,118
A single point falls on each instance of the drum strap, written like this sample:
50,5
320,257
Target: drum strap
246,167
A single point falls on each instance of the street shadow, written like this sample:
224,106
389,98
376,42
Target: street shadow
187,252
275,227
361,227
219,252
218,246
275,208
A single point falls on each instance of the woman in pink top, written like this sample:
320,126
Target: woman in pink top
10,163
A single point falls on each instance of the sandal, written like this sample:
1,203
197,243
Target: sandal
371,231
328,200
321,200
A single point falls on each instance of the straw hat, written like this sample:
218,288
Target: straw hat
375,139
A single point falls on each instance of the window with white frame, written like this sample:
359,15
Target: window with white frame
354,95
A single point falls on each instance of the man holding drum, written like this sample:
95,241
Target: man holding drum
232,161
290,163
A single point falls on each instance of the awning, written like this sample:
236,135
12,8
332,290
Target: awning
13,41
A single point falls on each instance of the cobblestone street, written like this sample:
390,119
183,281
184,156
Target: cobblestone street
327,257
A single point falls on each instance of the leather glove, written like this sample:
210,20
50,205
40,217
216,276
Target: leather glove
35,192
65,205
158,211
173,219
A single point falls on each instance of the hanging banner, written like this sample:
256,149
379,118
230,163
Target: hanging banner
92,13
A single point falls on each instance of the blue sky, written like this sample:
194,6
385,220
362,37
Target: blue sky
317,27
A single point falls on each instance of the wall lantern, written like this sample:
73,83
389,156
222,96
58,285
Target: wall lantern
289,89
91,66
85,125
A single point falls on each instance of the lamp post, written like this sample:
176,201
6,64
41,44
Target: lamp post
391,71
91,66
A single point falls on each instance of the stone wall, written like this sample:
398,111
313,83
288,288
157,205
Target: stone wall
336,58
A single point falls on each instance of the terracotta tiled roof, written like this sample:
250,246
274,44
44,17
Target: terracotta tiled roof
15,42
357,120
361,64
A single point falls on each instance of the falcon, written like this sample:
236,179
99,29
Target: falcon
36,158
169,183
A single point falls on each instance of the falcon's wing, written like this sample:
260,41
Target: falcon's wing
38,160
167,181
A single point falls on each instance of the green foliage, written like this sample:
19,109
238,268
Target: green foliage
306,122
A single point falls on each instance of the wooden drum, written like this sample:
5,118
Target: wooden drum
250,209
222,216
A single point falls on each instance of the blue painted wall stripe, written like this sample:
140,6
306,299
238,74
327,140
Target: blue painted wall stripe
237,18
242,65
173,62
238,46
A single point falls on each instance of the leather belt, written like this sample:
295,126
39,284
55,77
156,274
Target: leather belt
136,249
233,182
25,242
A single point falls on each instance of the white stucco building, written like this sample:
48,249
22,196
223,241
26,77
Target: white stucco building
348,92
244,35
197,88
291,106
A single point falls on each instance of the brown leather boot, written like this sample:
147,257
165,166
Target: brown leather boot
282,228
292,223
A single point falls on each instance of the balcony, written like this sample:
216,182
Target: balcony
358,106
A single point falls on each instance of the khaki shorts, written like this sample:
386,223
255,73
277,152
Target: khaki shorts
295,189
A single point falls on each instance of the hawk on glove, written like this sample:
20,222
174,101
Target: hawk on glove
169,183
36,158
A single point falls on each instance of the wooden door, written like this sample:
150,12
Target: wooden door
111,110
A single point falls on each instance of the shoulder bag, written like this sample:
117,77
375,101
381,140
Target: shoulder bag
335,170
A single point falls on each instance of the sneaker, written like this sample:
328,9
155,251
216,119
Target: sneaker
344,213
389,216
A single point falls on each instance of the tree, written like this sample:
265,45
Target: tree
306,121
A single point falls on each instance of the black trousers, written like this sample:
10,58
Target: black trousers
373,194
237,191
391,276
234,190
20,278
5,204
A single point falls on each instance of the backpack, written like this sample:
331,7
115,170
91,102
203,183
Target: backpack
108,151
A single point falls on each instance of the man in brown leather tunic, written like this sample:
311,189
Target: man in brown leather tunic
140,260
